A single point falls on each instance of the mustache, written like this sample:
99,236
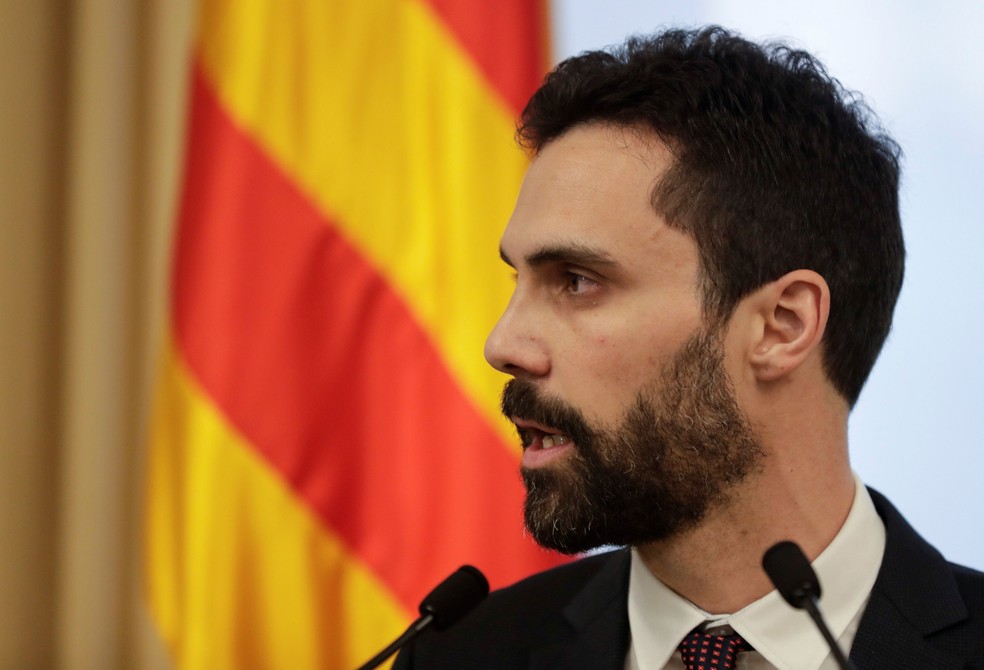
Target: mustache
522,399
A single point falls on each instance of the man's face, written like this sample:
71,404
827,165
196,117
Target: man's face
631,432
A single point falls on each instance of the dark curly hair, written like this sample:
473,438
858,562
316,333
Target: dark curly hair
776,168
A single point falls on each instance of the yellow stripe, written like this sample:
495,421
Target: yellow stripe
240,575
378,116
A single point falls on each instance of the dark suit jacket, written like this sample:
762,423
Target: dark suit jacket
924,614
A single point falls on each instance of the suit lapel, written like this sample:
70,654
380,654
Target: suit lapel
598,617
914,596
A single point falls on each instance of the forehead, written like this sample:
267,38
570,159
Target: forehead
591,187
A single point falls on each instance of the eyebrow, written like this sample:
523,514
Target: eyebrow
577,254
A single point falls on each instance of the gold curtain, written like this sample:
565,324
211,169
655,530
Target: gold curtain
92,97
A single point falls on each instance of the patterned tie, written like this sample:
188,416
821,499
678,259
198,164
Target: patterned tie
703,651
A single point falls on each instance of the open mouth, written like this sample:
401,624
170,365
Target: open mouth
537,440
533,435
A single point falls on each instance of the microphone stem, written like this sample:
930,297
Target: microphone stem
810,605
413,631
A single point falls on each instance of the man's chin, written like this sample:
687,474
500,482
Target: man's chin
563,542
557,515
561,516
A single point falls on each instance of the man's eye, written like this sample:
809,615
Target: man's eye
577,283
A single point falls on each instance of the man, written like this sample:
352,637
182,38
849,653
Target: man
708,251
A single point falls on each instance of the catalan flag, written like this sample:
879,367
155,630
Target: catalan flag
325,445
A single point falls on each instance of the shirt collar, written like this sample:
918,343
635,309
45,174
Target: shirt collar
847,568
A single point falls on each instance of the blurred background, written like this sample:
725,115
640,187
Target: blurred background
164,502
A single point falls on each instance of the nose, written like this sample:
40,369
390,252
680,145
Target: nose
516,346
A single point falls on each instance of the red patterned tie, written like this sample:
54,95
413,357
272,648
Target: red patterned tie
703,651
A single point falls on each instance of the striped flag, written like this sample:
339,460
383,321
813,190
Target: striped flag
325,444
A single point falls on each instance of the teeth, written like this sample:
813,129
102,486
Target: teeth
554,440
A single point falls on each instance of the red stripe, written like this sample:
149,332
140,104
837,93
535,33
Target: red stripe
507,40
318,363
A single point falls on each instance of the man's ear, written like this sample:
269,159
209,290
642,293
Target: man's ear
794,311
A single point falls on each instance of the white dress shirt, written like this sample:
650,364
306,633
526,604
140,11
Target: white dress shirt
783,638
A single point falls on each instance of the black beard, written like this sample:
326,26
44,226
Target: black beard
677,453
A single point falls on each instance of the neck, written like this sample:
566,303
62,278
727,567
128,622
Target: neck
802,494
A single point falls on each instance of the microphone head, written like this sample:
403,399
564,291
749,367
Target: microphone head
455,597
791,573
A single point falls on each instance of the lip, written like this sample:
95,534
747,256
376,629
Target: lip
534,454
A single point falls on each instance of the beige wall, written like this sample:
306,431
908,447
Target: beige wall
91,116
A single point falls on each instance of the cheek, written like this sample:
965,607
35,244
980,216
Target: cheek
601,367
634,360
612,361
613,371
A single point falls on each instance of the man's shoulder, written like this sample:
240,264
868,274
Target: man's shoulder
540,599
931,609
501,631
971,578
558,583
908,553
970,583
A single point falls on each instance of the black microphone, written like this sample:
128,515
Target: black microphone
796,581
450,600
